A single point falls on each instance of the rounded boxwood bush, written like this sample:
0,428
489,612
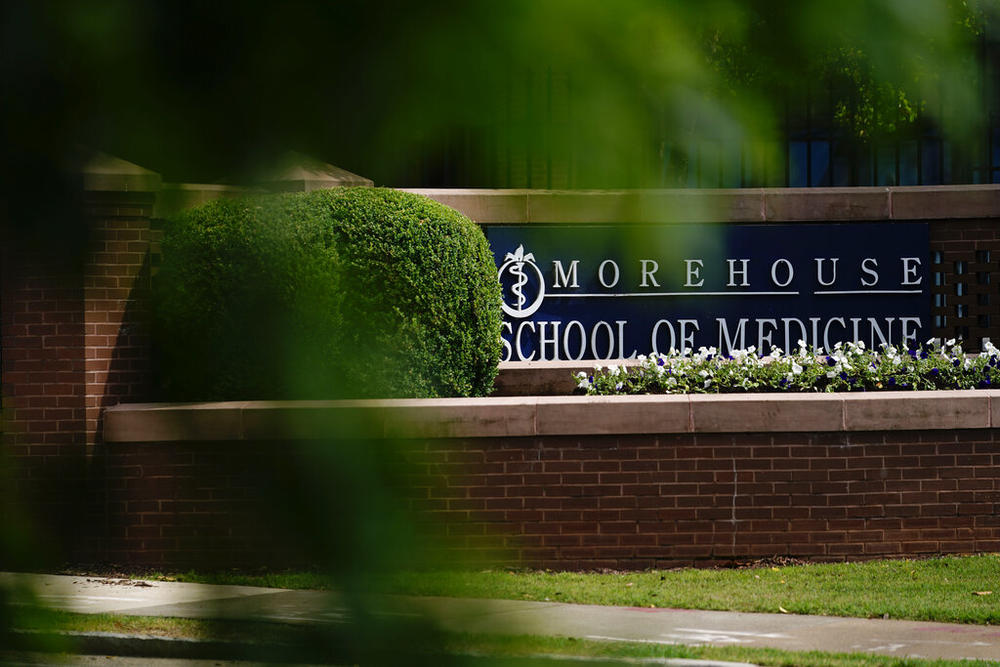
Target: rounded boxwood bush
352,292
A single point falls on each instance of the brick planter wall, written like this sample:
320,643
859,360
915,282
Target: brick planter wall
584,482
630,502
189,504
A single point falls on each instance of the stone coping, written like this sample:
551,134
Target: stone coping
107,173
554,415
854,204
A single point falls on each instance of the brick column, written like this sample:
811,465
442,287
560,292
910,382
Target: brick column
71,342
115,295
119,200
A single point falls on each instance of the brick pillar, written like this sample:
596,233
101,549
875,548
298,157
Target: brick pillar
72,341
116,309
43,376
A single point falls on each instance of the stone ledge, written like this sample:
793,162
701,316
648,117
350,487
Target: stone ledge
553,415
855,204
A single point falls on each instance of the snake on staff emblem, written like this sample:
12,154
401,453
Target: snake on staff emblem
515,264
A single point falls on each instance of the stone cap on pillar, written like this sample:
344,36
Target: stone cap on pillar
296,172
106,173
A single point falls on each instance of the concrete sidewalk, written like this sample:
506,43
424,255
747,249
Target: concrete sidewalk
661,626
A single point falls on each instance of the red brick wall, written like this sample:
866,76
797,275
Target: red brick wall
41,322
204,504
642,501
217,505
573,502
116,315
72,341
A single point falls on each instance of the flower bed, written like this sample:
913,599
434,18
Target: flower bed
848,367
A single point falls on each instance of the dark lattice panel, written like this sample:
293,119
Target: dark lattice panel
965,272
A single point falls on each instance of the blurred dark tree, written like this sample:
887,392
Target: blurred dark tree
205,91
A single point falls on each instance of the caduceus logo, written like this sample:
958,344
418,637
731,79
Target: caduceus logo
514,266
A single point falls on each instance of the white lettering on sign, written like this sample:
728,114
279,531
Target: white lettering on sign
647,273
661,303
606,340
820,274
786,268
741,272
694,267
561,277
601,273
910,266
868,266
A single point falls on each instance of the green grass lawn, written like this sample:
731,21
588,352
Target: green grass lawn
530,645
942,589
950,589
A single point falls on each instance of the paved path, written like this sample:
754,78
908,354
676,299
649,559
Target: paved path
662,626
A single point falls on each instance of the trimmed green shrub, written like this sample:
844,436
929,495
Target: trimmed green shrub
351,292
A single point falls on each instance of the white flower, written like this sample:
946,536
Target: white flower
950,342
796,369
612,370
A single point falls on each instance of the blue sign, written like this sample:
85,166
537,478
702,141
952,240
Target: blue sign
597,292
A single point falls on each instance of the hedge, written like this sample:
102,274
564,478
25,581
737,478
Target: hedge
352,292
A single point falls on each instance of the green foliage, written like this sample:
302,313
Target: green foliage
338,293
849,75
848,367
